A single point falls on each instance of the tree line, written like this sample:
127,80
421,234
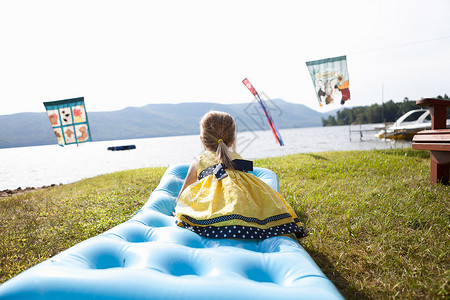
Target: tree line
376,113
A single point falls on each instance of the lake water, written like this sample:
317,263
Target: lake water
52,164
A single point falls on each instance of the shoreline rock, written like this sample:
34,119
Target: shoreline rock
8,193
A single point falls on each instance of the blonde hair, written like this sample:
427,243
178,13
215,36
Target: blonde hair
218,133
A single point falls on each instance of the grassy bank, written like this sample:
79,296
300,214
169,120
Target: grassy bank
37,225
377,228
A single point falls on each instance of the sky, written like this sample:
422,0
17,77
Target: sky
117,54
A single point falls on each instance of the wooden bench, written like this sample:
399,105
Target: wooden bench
436,140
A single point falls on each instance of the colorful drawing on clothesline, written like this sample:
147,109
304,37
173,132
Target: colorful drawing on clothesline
331,80
69,121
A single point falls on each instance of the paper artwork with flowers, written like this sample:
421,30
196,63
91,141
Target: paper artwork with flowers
69,121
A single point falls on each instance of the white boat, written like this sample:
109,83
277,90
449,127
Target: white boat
408,125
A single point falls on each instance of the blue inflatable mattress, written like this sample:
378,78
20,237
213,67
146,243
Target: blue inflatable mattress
149,257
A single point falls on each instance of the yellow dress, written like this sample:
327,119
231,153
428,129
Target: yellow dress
238,206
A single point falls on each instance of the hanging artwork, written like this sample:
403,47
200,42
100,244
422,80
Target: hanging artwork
69,121
330,78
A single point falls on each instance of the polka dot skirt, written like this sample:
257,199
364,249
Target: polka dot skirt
245,232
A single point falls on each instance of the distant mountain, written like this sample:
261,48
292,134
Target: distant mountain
156,120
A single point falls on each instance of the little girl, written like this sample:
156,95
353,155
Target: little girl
220,199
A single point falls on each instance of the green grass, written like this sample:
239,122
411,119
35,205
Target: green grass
377,227
37,225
